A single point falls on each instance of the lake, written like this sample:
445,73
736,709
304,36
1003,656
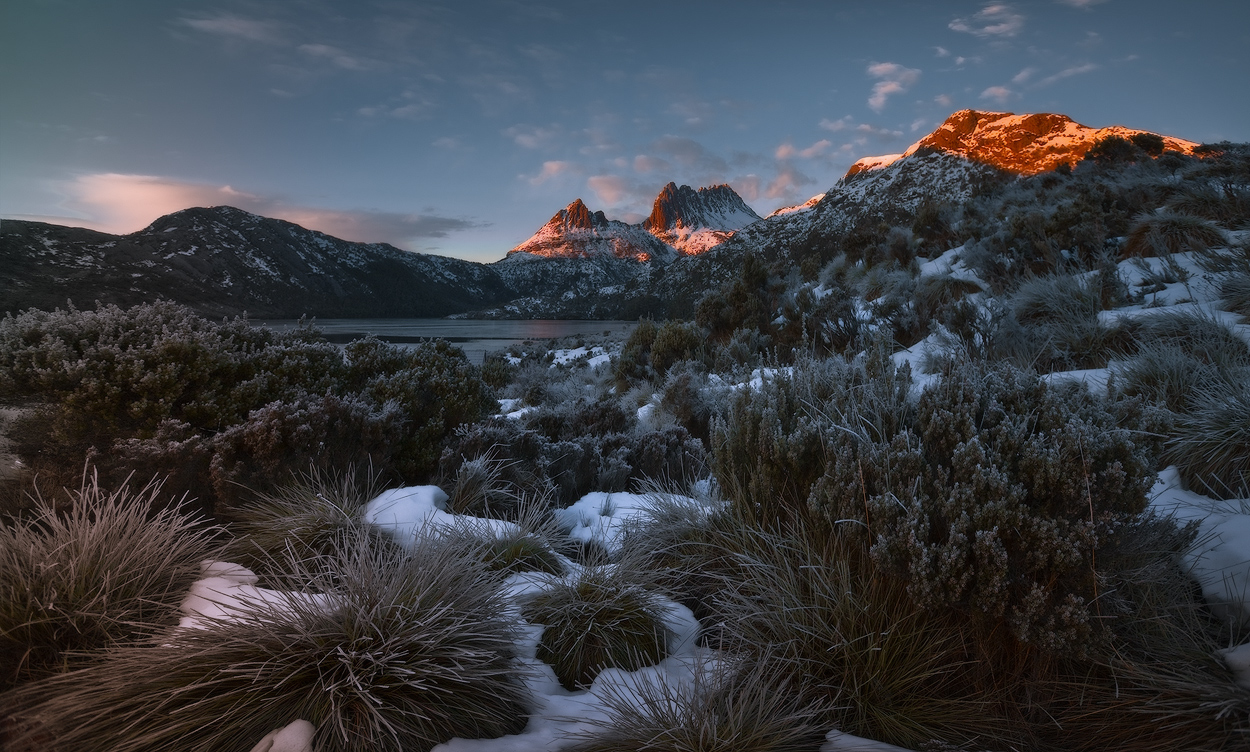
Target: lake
475,337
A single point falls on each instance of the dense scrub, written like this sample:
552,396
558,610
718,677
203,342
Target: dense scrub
218,408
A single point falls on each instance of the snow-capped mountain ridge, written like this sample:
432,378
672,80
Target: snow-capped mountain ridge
1019,144
683,222
577,232
693,221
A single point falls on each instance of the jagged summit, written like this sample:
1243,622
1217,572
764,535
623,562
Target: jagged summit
577,232
693,221
683,221
1021,144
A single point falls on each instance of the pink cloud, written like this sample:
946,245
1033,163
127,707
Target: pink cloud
994,20
552,169
609,189
1000,94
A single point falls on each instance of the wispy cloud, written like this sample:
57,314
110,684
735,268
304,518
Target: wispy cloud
690,154
788,150
1082,4
338,57
552,169
838,125
1023,76
236,27
785,186
609,189
994,20
893,79
1075,70
999,94
531,136
123,203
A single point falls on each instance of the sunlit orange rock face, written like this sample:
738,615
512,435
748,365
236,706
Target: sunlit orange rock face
683,222
1021,144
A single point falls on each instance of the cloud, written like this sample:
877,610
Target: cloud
338,57
1000,94
787,150
644,163
1075,70
840,124
689,153
894,79
122,203
447,142
609,189
236,27
944,100
552,169
531,136
747,186
786,184
942,51
994,20
1023,76
1082,4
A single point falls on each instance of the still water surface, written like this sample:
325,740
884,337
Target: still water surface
475,337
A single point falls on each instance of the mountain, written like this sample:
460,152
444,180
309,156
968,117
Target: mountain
683,222
1019,144
693,221
224,261
577,232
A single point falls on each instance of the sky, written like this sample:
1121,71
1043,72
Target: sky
460,128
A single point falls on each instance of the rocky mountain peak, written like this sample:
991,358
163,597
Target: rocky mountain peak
1020,144
577,216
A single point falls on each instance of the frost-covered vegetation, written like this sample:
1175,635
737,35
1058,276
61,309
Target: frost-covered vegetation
978,482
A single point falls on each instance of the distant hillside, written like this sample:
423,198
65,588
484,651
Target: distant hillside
224,261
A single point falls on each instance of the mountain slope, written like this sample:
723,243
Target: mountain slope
224,261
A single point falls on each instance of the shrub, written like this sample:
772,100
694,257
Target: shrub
1225,204
1164,233
109,571
601,619
386,651
215,405
845,637
994,499
732,709
676,341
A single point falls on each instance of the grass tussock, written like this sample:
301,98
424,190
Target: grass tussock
724,709
1164,233
110,569
378,651
1211,446
603,618
304,519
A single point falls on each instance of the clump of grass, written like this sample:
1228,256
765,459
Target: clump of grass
110,569
1235,291
1059,318
304,519
523,546
734,709
1164,233
603,618
1211,444
481,488
1175,355
383,651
